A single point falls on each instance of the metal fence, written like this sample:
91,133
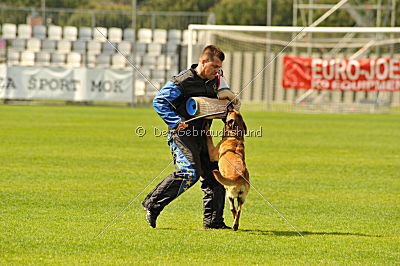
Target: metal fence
103,18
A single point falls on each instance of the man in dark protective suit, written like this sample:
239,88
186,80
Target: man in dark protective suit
188,146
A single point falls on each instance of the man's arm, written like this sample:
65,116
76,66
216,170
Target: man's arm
163,105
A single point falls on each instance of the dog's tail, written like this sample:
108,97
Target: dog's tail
223,180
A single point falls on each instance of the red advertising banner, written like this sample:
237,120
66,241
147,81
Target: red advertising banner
373,74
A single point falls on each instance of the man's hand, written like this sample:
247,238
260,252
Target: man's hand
228,95
181,125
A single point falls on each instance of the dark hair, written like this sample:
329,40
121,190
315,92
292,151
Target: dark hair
210,51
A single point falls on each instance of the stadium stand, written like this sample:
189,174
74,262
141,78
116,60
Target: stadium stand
156,51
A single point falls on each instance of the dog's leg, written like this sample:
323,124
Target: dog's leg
212,150
232,207
236,224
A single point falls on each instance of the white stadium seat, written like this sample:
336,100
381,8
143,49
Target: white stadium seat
18,45
33,45
93,47
174,36
58,59
39,32
172,72
64,46
85,33
103,60
157,74
115,34
153,87
149,61
171,49
108,48
125,47
54,32
100,34
186,37
164,62
13,57
48,45
129,35
74,59
79,46
118,61
160,36
140,87
146,72
42,59
89,60
27,58
9,31
24,31
145,35
140,48
70,33
154,48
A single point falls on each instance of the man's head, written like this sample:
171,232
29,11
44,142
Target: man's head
210,62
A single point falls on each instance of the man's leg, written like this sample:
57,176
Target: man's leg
214,197
186,174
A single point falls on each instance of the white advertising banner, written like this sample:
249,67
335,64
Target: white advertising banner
108,85
79,84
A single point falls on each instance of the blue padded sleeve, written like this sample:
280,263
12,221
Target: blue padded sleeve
162,104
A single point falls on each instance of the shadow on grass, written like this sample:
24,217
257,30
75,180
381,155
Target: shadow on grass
304,233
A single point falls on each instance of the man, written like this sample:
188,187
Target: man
189,150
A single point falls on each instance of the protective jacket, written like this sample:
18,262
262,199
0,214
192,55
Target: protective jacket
170,102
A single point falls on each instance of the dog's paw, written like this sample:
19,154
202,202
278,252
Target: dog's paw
235,227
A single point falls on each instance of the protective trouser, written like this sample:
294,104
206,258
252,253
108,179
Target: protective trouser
191,164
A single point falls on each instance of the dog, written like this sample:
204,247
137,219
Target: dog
229,153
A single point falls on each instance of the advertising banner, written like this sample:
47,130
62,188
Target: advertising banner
70,84
373,74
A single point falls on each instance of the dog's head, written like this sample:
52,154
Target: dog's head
234,125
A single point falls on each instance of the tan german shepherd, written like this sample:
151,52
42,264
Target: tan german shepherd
232,171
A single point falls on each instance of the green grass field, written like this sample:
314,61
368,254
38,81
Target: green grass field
67,171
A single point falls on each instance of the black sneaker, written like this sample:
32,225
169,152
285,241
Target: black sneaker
151,218
217,226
